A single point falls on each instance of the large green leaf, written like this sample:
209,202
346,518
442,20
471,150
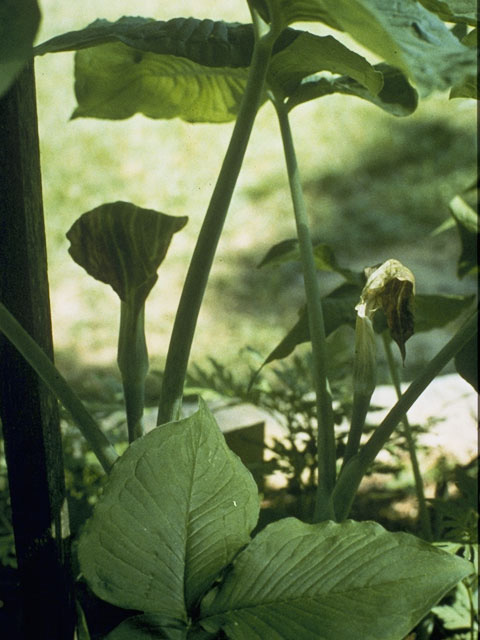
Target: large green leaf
396,97
404,34
123,245
309,54
177,507
185,67
330,581
19,20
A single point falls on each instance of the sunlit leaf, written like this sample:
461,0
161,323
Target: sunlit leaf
19,20
123,245
309,54
396,97
330,581
185,67
177,507
115,81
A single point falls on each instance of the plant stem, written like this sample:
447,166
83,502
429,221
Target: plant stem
132,361
326,454
203,255
46,370
425,524
352,474
364,381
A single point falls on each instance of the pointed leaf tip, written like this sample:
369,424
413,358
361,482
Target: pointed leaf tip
123,245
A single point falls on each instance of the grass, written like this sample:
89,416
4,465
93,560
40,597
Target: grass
375,186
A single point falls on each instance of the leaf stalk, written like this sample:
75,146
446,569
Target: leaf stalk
424,519
132,361
326,453
204,252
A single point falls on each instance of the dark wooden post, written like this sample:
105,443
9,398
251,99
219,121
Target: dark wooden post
28,411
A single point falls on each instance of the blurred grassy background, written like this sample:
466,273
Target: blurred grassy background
376,187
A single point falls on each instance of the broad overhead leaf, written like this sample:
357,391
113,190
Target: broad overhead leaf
19,20
298,581
207,42
187,68
404,34
177,507
309,54
123,245
396,97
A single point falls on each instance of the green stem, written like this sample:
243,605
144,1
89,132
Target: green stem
364,381
326,454
361,405
203,255
352,474
132,361
46,370
425,524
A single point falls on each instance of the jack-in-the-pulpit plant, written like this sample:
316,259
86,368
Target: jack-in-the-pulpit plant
171,535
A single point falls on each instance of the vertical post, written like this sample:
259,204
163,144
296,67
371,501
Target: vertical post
28,412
